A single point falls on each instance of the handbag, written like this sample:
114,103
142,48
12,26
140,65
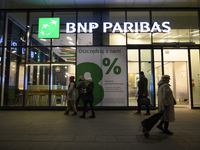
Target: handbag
144,101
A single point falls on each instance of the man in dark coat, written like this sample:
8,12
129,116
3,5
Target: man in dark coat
142,92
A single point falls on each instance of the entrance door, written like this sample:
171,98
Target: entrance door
176,65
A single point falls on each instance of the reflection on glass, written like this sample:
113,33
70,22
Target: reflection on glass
133,76
61,74
157,71
182,31
64,54
176,66
38,85
195,68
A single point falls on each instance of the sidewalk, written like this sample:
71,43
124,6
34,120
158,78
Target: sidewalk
110,130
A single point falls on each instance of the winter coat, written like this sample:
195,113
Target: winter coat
89,91
71,94
165,98
81,87
142,86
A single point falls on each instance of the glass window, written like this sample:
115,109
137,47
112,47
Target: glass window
38,85
133,76
157,70
176,66
64,54
61,75
39,54
184,26
65,39
135,36
84,37
114,35
145,56
34,22
195,68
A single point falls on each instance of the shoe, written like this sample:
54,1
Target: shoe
66,113
160,127
81,116
147,114
92,116
145,132
168,132
138,112
74,114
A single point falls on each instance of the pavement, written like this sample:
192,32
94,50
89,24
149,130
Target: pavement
110,130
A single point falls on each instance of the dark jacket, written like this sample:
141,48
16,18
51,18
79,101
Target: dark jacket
89,91
81,87
142,86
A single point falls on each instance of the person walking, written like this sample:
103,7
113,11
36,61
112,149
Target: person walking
88,98
81,90
142,92
165,101
71,96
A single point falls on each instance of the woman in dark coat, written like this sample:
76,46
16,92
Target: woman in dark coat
88,98
81,89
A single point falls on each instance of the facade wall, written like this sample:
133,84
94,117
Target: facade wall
35,71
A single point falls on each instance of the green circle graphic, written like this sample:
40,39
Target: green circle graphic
97,75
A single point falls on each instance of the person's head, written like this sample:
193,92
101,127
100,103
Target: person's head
89,80
141,74
71,78
166,78
81,78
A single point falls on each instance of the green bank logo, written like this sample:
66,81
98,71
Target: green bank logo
49,28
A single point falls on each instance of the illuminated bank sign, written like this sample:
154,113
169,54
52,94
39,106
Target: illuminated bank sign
141,27
49,28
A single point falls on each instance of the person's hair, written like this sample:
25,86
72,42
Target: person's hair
81,78
165,78
72,77
142,73
89,79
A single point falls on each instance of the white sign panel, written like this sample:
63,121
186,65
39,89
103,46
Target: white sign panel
107,67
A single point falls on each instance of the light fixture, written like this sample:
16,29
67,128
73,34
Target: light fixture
194,31
71,43
177,36
138,37
43,40
195,35
69,38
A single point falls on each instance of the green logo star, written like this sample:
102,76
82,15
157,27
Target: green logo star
49,28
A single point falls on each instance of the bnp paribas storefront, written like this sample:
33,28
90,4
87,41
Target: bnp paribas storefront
41,49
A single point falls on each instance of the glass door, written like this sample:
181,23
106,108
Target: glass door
176,66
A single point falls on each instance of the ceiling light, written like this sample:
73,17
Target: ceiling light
71,43
195,35
69,38
73,48
177,36
194,31
138,37
43,40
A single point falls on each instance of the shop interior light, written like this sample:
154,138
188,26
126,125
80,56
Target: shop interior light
71,43
43,40
167,37
195,35
155,34
138,37
166,33
73,48
177,36
69,38
194,32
